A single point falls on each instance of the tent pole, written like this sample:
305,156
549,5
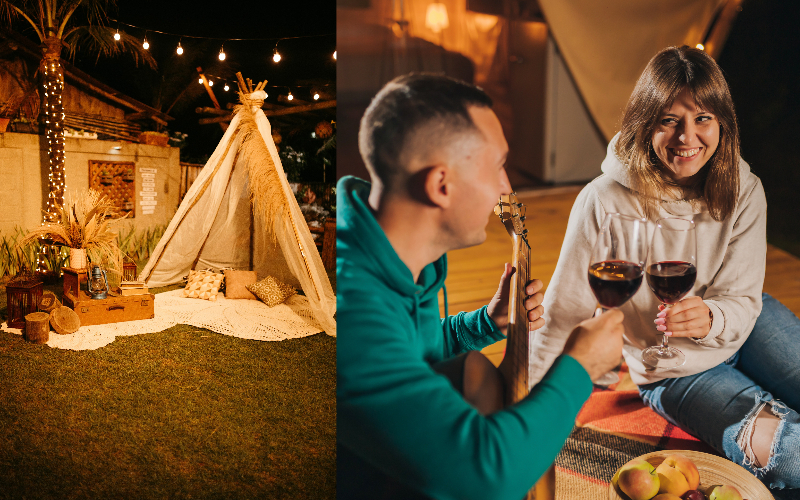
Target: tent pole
252,234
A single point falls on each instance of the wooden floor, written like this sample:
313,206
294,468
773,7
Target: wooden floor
474,273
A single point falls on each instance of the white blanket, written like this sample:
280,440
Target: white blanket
247,319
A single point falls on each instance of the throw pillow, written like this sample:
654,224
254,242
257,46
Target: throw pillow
236,283
203,285
271,291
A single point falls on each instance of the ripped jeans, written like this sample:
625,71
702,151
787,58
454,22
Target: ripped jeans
716,405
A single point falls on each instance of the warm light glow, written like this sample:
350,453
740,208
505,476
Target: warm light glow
145,45
116,36
211,83
316,96
200,81
290,96
226,87
221,54
276,56
436,17
179,50
700,46
334,55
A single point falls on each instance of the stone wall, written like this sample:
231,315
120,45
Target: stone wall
24,170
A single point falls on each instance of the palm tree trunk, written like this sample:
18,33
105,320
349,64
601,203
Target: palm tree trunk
53,75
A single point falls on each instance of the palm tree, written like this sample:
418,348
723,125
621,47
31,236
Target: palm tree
61,24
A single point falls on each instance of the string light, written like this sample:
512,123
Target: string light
276,56
334,55
211,83
700,46
116,36
290,96
316,96
226,87
221,54
145,45
200,81
179,50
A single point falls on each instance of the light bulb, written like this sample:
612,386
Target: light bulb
200,81
290,96
227,88
700,46
211,83
221,54
316,96
116,36
179,49
276,56
145,45
334,55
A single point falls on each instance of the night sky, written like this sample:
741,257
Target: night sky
173,87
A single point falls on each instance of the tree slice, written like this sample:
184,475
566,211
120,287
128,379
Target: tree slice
64,320
49,302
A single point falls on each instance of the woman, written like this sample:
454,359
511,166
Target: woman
677,155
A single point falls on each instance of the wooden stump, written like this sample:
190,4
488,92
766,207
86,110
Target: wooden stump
37,328
64,320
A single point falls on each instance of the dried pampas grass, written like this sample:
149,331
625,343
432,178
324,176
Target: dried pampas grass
89,220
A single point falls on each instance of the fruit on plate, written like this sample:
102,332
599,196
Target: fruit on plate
666,496
723,492
693,495
637,479
677,475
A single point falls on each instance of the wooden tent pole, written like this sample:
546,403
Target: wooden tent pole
252,234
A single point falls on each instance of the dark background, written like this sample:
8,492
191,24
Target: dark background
761,61
173,87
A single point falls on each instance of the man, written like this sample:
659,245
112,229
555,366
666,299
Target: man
436,153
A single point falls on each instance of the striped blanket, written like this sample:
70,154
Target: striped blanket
613,427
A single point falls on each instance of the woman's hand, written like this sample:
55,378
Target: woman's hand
688,318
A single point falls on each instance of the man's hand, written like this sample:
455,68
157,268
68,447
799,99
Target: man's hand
498,306
597,343
688,318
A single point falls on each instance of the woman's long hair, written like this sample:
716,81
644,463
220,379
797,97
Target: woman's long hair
667,74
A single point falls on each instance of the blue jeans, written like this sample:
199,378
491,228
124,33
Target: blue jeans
714,405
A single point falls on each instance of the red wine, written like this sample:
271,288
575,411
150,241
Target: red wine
614,281
671,280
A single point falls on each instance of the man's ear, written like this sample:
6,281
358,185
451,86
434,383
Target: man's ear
438,185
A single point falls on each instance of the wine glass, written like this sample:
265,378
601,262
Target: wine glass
616,266
671,272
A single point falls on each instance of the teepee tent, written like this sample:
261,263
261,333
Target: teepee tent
240,213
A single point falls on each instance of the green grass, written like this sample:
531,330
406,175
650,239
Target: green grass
183,413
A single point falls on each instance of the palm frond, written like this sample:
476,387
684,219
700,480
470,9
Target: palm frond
100,40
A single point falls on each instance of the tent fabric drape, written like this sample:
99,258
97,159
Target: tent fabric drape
242,190
606,45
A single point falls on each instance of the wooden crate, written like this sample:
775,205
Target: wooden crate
113,309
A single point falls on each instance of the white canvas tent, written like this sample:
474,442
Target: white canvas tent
241,213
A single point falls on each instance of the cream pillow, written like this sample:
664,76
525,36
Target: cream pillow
236,284
271,291
203,285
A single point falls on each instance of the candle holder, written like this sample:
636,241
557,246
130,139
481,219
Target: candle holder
23,293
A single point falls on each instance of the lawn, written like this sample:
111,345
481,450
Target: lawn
182,413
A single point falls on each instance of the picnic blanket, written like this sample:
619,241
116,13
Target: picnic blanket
613,427
247,319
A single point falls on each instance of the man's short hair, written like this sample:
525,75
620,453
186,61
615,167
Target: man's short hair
406,105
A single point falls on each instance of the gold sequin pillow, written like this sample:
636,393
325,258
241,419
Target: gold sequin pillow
203,285
271,291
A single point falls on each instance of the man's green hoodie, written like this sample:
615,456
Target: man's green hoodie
403,428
